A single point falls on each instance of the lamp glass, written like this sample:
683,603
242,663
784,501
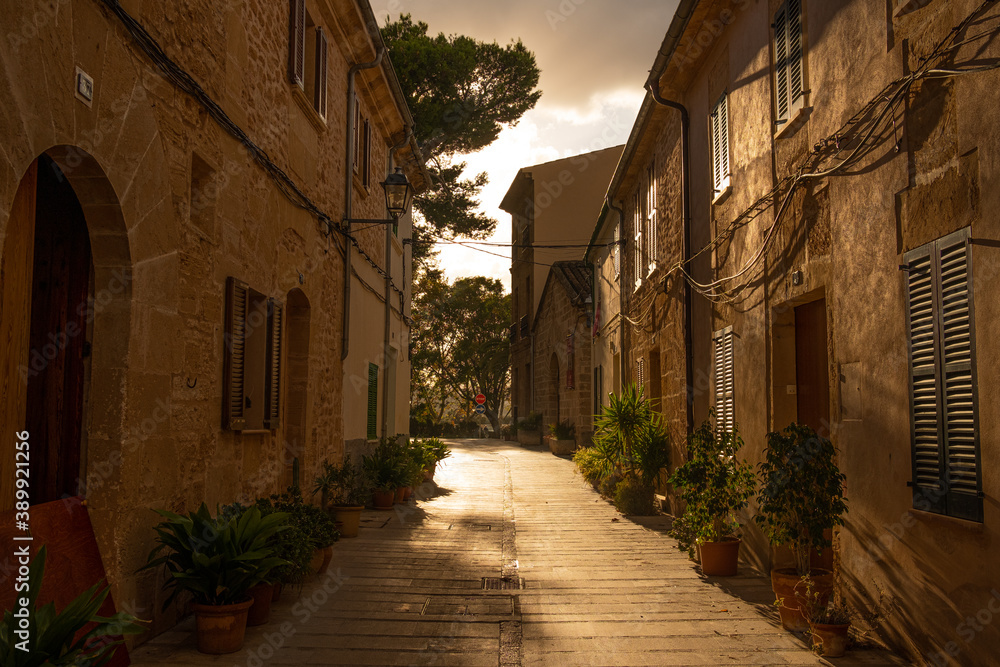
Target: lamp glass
397,193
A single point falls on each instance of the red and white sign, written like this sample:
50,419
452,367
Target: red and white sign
480,399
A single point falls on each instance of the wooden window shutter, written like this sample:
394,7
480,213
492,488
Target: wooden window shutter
233,402
372,401
275,330
637,229
725,380
720,144
366,155
321,73
640,373
943,384
297,43
794,53
651,214
357,135
781,63
617,251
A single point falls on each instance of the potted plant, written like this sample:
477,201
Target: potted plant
217,561
384,467
829,620
529,429
314,525
53,638
435,451
715,485
563,438
801,497
343,490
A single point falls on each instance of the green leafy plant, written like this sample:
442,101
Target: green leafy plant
634,496
588,461
713,482
344,485
823,609
386,467
563,431
801,493
631,437
686,535
216,560
51,637
317,526
533,422
436,449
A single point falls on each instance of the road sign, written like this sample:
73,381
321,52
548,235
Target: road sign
480,399
480,409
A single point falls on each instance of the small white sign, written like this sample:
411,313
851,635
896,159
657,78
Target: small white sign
84,87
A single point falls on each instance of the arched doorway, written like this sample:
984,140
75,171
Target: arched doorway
64,313
297,377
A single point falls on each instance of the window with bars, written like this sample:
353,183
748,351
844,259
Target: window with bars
252,373
789,88
725,380
650,217
372,401
947,476
719,121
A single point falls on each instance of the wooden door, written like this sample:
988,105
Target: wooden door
812,374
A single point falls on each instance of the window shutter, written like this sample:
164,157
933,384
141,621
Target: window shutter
233,404
366,156
275,322
617,251
794,53
720,144
943,400
725,376
372,401
651,214
781,62
637,229
357,135
297,42
640,373
321,73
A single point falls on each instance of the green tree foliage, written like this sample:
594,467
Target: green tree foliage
462,93
459,346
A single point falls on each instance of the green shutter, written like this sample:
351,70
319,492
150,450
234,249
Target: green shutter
372,401
943,398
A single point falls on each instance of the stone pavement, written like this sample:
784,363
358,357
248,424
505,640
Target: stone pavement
598,588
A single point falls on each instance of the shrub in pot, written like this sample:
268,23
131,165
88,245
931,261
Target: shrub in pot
715,485
54,638
217,561
562,438
343,490
632,446
829,619
313,524
385,468
801,497
435,451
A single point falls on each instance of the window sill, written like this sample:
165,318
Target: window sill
306,105
720,196
793,123
946,521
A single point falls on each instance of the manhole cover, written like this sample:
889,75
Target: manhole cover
502,583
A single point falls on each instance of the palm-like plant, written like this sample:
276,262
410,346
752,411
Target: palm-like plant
52,636
217,560
630,437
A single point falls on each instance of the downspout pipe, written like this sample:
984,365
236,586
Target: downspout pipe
654,89
388,292
621,294
349,193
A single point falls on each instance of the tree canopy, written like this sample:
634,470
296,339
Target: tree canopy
459,346
462,93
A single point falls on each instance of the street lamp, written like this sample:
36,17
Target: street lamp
398,193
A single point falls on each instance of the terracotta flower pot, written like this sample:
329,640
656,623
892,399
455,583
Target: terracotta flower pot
831,638
720,559
429,473
260,610
399,494
221,628
277,592
382,500
788,587
407,492
326,556
350,516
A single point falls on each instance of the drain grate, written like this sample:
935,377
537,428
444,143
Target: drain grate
503,583
480,526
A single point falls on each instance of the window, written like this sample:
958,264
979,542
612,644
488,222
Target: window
725,413
616,252
307,56
252,392
789,90
720,146
650,217
944,420
640,373
372,401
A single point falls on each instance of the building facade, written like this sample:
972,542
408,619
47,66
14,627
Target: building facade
173,191
552,206
826,258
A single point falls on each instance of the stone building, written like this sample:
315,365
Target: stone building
831,170
552,206
562,334
174,181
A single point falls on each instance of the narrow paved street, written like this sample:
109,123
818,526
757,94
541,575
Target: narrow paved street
598,588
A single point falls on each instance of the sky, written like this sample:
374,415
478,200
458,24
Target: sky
594,56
